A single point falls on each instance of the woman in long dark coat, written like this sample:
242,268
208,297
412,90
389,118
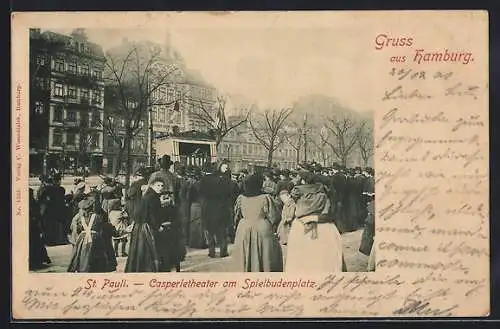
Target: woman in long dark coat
53,212
91,237
256,246
37,252
143,255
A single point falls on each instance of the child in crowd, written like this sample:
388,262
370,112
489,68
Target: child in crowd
119,219
287,217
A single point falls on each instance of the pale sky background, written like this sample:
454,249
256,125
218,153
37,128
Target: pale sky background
271,67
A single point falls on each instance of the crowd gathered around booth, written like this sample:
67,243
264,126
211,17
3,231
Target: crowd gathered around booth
275,219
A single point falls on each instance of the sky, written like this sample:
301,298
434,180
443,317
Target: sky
271,67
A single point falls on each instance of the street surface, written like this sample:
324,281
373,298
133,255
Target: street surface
197,260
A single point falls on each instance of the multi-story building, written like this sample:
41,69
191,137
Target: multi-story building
66,102
190,94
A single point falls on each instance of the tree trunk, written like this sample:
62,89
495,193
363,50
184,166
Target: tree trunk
119,162
344,160
270,158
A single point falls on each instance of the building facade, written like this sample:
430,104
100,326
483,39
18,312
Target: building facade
189,96
114,160
66,102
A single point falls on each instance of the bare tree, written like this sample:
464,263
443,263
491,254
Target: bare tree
269,130
216,119
365,142
133,76
319,142
343,135
294,137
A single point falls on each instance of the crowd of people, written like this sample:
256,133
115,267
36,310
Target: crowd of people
277,220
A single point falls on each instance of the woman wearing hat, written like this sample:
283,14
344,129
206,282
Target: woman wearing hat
91,236
314,243
256,245
143,252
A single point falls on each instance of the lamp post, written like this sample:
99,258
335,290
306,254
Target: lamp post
324,137
63,159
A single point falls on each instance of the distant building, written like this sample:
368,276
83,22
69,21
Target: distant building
243,150
66,102
190,94
187,88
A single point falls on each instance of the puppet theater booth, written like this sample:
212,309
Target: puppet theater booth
190,149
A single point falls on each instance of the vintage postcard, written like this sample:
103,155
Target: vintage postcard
175,165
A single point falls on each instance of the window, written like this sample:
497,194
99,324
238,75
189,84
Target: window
84,70
59,65
58,113
111,142
97,73
72,92
170,95
70,138
96,119
40,83
96,96
72,67
154,114
39,108
84,93
40,60
178,95
95,140
161,115
58,90
57,137
71,116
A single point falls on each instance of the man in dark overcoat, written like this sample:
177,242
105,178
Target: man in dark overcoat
215,190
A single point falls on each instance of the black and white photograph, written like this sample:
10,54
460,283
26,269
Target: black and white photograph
240,152
184,150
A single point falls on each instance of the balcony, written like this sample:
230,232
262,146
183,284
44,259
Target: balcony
71,99
82,79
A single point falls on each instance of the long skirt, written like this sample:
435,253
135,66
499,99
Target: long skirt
371,261
196,235
142,255
256,247
91,257
37,251
308,255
